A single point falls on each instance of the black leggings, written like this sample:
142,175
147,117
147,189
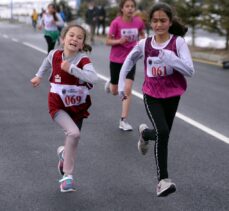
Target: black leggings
161,113
50,43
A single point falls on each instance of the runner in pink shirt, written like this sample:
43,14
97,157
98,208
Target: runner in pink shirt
125,31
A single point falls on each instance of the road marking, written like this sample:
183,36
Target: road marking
34,47
5,36
14,39
187,119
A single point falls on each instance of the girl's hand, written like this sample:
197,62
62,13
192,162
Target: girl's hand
65,65
35,81
123,40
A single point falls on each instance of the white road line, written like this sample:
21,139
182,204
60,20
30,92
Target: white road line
34,47
187,119
14,39
5,36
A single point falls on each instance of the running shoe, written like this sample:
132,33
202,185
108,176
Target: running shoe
124,125
107,87
60,154
142,144
165,187
67,184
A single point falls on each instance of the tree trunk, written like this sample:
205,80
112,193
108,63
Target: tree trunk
227,40
193,36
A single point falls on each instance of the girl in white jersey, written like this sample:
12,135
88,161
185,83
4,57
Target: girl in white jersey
125,30
166,61
50,21
71,78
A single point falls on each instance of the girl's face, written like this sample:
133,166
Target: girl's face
160,23
128,8
51,9
73,40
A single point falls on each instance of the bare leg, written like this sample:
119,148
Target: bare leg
72,133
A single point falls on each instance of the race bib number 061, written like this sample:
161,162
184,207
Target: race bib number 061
156,68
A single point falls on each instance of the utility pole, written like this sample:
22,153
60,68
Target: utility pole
78,2
11,11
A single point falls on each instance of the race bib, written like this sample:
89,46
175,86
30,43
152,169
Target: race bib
130,34
71,95
156,68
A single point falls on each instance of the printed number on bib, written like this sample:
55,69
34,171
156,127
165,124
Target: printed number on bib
130,34
71,95
156,68
72,100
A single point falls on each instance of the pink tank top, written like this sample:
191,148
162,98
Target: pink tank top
161,80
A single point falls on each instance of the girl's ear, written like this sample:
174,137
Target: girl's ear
61,41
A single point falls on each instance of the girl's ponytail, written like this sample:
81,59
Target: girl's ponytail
177,28
87,48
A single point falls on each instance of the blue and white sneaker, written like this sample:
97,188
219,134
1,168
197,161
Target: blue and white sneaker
67,184
60,154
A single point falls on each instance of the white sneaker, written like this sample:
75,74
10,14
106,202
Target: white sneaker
142,144
165,187
124,125
107,87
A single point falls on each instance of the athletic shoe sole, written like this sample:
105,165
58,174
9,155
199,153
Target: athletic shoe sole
168,191
121,128
66,191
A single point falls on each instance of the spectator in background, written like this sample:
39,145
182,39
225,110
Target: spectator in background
34,18
91,19
101,13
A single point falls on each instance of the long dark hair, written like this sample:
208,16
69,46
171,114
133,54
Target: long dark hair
54,13
177,27
86,47
122,2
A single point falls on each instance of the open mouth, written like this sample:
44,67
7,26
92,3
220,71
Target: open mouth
74,45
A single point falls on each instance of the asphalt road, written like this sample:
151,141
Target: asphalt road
111,174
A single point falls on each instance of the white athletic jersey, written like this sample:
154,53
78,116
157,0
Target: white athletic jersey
48,23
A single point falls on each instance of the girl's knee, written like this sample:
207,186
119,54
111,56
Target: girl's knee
73,134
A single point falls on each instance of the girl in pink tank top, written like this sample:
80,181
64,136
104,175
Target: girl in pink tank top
125,31
166,61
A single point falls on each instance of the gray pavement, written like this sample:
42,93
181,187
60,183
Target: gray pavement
111,175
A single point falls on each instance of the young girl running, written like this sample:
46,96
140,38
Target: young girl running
125,31
50,22
166,61
71,78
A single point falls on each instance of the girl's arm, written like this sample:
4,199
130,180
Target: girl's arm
183,62
132,58
87,73
45,66
60,21
111,41
111,37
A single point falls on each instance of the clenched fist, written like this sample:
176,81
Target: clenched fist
65,65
